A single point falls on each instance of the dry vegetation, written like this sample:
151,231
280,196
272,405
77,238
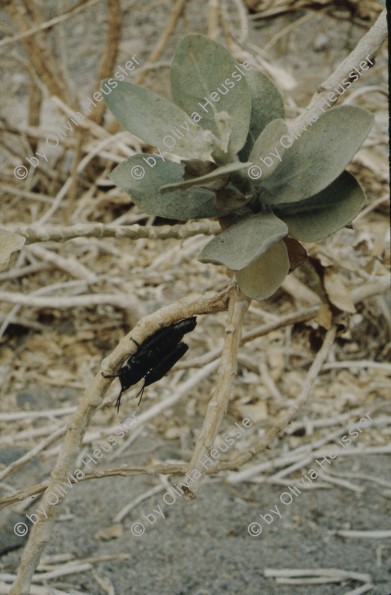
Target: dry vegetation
311,360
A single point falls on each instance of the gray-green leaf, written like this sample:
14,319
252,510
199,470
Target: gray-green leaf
319,155
245,241
263,277
267,152
203,73
266,105
325,213
153,119
143,181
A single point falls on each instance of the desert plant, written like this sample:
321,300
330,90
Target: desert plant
226,119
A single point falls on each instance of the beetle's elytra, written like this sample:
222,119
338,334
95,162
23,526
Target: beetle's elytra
155,356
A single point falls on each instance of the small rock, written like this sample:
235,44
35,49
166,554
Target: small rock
109,533
34,399
13,532
321,42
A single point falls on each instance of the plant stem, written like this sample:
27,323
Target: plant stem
238,306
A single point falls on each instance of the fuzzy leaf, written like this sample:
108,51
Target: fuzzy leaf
319,156
325,213
224,125
267,151
153,118
202,67
263,277
244,242
220,172
142,183
9,243
266,105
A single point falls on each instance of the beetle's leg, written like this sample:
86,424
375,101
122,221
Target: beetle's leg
110,375
135,342
118,401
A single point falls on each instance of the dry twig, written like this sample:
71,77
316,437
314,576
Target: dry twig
109,57
218,404
133,232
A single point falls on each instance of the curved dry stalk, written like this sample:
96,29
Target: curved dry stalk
368,45
41,57
93,397
133,232
113,36
21,495
295,458
50,23
64,303
217,407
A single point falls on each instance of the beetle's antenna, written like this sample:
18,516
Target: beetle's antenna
140,392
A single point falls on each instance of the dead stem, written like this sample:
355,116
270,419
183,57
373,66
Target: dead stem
133,232
110,54
217,407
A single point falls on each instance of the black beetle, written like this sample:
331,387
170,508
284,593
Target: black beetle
155,357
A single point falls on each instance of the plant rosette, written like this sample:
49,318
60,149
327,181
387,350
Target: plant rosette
225,120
